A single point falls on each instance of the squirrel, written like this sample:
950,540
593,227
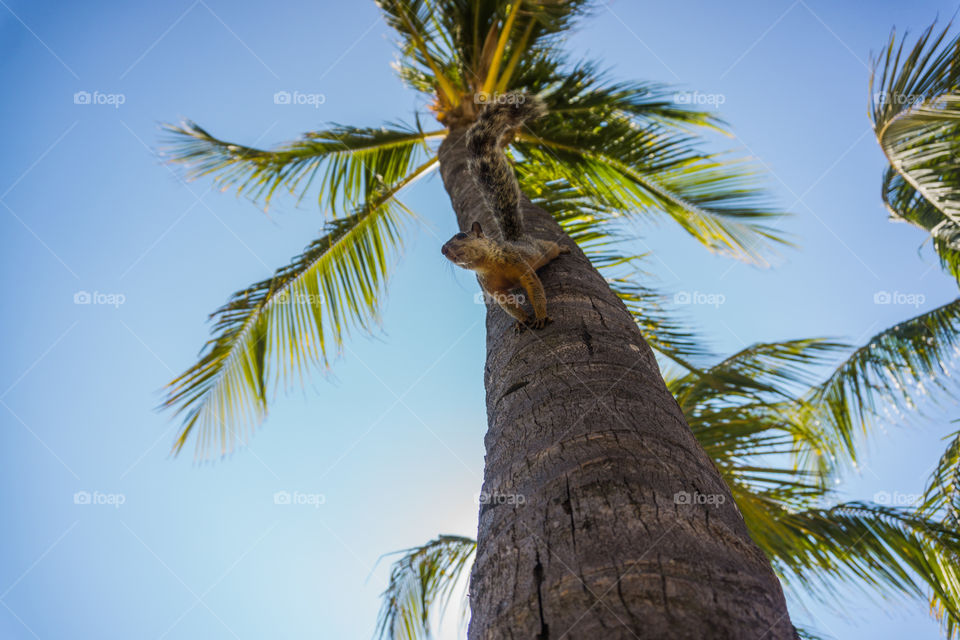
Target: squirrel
512,261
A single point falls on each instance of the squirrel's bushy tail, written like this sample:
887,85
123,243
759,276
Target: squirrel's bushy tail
488,163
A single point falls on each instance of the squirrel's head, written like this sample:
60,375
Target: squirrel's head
468,250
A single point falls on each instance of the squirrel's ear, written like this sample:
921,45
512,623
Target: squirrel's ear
477,230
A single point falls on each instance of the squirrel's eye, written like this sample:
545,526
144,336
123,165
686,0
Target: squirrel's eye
461,236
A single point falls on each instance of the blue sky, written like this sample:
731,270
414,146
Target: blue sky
392,438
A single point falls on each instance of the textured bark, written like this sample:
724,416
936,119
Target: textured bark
582,535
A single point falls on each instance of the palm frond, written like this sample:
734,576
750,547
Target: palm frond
650,169
421,585
883,550
586,89
425,47
752,417
280,326
916,118
906,204
761,373
752,446
888,374
347,165
942,495
747,411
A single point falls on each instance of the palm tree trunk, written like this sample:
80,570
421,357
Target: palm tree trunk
603,517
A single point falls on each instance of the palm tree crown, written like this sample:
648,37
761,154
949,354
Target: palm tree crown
607,152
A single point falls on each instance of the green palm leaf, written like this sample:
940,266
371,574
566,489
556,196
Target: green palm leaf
942,495
586,90
347,164
280,326
901,551
749,407
916,117
888,374
422,583
427,60
649,168
761,373
905,203
884,550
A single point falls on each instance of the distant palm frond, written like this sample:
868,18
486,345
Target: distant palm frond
884,550
422,582
889,373
748,407
762,372
942,495
916,118
905,203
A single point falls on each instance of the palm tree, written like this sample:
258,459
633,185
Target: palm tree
581,424
757,414
779,441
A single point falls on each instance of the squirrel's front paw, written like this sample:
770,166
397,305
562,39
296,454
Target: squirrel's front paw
540,323
519,326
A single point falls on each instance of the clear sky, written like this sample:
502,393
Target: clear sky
392,439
